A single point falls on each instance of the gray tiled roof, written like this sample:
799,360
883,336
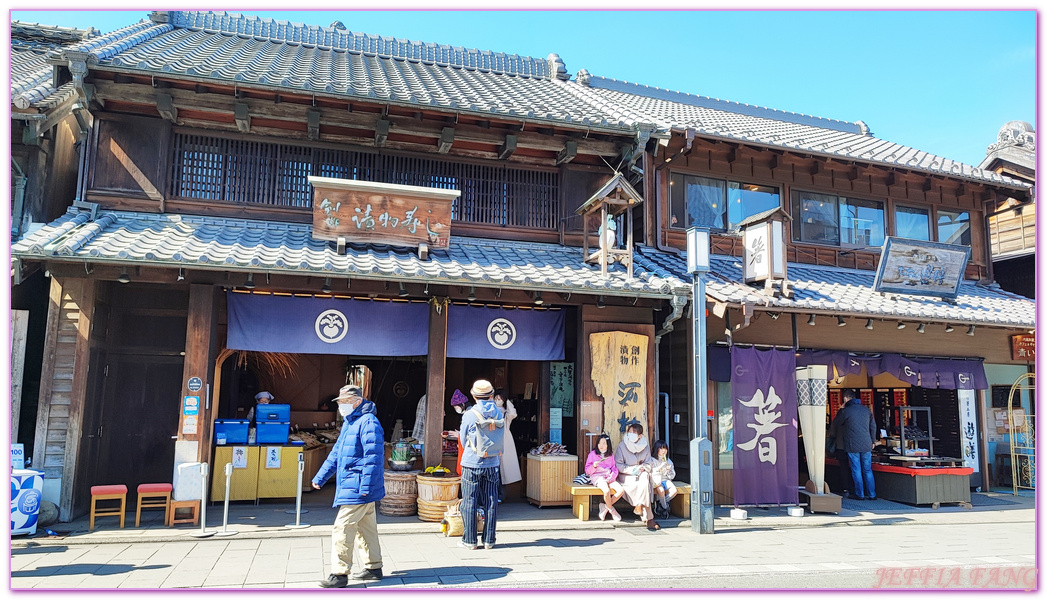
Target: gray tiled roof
769,127
228,47
254,246
849,292
31,80
224,47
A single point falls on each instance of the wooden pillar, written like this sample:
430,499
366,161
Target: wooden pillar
19,327
199,363
63,385
434,404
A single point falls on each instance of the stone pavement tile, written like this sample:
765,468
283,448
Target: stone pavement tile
385,582
501,576
110,581
303,584
140,550
64,581
35,571
723,569
991,559
303,566
244,544
663,571
633,573
457,579
263,576
25,583
484,569
420,581
271,546
218,578
597,574
892,563
185,579
783,568
838,566
58,558
530,576
265,586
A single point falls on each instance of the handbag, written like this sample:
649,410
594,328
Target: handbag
583,479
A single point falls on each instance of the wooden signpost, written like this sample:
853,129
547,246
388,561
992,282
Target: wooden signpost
347,210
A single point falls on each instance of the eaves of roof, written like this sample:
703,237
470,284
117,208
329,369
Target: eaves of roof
849,292
200,242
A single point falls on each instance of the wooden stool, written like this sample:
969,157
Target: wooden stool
191,505
153,495
107,492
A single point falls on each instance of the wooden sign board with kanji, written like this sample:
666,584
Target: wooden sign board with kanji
1023,347
381,213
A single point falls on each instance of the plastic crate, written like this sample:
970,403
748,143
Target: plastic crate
272,433
272,413
230,431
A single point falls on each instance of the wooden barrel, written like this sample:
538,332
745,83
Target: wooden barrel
401,493
438,488
401,483
433,511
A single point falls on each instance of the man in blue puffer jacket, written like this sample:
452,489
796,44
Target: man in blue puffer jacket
357,460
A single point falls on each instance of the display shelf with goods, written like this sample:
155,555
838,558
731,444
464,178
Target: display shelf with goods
525,425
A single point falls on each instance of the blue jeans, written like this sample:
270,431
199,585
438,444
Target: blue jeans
479,490
862,472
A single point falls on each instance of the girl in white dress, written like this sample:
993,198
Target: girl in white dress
510,460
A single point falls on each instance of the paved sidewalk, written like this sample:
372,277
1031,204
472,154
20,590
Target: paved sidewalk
269,520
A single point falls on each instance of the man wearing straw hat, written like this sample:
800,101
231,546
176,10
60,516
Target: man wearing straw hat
357,458
481,435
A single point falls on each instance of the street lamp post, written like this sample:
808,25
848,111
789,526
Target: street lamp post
701,448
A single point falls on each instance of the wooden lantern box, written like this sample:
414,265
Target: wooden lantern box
546,476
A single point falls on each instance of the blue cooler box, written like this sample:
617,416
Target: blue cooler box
272,433
272,413
26,492
230,431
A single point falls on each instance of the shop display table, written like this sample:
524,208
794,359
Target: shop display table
924,481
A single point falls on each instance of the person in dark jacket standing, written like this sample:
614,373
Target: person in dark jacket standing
357,460
855,431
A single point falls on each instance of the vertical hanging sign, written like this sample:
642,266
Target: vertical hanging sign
763,386
190,414
619,374
968,431
561,387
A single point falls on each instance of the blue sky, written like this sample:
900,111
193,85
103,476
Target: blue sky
940,81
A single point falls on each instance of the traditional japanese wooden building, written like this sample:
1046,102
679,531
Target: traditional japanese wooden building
197,210
255,188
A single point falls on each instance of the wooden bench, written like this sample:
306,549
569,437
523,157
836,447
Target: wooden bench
581,495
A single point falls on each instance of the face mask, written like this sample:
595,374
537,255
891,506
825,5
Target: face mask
458,408
345,409
632,437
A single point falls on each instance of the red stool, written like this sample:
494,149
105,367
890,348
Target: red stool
108,492
153,495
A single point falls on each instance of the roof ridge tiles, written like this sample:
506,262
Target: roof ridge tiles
342,39
725,105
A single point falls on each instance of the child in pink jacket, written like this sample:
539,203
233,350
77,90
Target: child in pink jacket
603,473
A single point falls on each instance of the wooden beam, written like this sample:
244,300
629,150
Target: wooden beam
381,132
815,168
166,108
853,174
890,179
928,185
570,150
199,343
775,162
312,119
507,148
961,190
446,140
242,116
732,155
19,327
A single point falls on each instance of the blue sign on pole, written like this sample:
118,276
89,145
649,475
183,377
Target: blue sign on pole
191,406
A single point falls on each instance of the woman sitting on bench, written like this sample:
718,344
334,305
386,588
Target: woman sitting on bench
633,459
603,473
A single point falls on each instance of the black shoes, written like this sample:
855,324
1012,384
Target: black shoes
369,575
335,581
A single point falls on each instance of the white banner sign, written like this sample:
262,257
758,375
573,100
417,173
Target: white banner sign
968,429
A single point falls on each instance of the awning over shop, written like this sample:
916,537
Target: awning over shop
927,372
508,334
305,325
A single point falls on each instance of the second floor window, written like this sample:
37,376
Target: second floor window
716,203
954,227
912,223
836,220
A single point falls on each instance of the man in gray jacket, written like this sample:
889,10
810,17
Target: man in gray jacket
855,431
482,435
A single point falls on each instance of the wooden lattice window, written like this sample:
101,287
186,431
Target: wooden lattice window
274,174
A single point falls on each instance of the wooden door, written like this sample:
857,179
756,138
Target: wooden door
128,432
